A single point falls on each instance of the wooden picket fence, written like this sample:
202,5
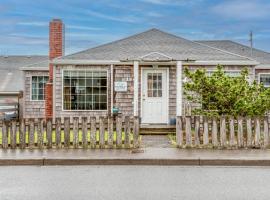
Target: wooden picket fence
223,132
93,132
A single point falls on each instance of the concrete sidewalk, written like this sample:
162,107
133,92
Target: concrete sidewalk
146,156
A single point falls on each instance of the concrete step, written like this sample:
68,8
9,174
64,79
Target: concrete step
157,131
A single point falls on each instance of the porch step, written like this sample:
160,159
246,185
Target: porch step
157,131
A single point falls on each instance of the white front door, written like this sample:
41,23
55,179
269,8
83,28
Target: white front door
154,96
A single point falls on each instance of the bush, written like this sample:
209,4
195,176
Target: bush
220,94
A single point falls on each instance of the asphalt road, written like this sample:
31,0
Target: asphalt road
133,182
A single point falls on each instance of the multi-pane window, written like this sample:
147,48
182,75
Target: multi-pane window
38,87
265,79
229,73
84,90
154,84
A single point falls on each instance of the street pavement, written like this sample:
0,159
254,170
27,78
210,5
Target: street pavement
133,182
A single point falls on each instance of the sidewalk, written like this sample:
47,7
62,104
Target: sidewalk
144,156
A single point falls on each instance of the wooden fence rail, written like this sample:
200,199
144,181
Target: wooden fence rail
102,132
223,132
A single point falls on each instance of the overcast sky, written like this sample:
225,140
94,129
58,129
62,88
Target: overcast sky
24,23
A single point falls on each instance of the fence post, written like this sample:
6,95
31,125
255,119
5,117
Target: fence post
13,134
93,132
5,135
179,131
232,131
188,130
249,132
22,134
197,130
101,133
205,131
214,132
58,132
75,132
84,132
110,132
266,132
31,133
127,131
257,131
49,132
119,131
66,131
222,131
136,132
40,133
240,136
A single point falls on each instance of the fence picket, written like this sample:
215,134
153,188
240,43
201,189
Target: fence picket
249,131
49,132
31,133
197,130
222,131
179,131
188,131
58,132
266,132
136,132
22,134
240,135
84,132
76,132
66,132
127,132
205,131
13,134
110,132
5,135
214,132
257,131
40,132
119,131
232,131
93,131
101,133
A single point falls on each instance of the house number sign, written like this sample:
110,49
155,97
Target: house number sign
120,86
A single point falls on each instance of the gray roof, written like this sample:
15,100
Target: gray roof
11,77
153,42
234,47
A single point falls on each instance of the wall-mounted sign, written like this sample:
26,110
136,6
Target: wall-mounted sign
120,86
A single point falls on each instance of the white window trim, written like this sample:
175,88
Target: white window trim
259,77
31,78
226,71
62,85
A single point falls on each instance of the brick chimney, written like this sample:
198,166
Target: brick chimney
56,45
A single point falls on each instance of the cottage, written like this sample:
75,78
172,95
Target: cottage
140,75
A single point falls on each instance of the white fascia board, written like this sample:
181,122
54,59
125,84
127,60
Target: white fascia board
34,68
84,62
264,66
221,62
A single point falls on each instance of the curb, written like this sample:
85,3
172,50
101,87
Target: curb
119,161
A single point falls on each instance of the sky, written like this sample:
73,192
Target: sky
89,23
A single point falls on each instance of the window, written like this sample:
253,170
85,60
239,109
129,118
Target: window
154,85
38,87
264,79
229,73
84,90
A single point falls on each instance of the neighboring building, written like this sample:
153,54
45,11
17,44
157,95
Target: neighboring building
140,75
262,71
12,79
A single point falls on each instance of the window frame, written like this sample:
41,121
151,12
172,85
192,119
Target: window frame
259,77
31,87
226,71
93,70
